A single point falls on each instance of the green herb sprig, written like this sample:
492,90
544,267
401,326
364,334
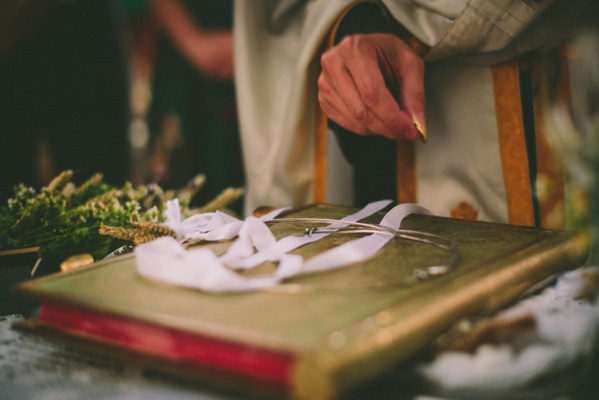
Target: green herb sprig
65,219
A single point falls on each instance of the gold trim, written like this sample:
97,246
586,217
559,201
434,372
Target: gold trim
512,143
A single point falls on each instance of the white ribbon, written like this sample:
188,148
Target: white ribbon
166,260
363,248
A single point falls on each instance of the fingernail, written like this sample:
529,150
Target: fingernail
421,130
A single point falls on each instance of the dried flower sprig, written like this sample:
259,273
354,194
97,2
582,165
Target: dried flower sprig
94,181
192,188
60,180
154,229
145,238
221,201
118,232
65,219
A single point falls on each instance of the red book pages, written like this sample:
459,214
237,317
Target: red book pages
259,365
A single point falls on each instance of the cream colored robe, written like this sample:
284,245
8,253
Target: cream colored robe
277,47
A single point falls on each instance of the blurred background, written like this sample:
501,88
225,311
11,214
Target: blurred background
139,90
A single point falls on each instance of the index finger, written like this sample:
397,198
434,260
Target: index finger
377,96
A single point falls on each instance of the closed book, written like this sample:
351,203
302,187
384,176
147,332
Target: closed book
314,336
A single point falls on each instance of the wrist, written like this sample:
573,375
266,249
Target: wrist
373,17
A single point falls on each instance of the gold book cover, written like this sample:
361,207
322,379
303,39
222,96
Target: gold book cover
313,336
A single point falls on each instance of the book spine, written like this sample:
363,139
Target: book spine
255,366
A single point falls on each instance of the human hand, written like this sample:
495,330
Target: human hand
212,53
374,84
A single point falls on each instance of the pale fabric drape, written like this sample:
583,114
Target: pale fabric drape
277,45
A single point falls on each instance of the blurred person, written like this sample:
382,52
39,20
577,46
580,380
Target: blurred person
63,92
193,115
394,71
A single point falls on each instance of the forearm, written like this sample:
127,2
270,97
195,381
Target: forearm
178,25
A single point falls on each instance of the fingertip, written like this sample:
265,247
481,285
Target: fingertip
420,128
402,127
412,134
409,132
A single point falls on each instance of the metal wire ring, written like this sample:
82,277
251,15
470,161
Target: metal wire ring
351,227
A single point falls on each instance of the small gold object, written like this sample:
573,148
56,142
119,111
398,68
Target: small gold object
421,129
77,261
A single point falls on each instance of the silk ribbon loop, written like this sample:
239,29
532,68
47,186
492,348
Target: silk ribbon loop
165,259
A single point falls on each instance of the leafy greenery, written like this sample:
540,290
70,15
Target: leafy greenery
64,219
